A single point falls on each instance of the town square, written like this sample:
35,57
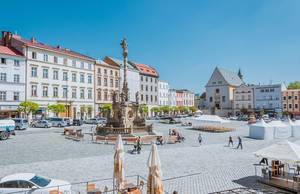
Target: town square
160,97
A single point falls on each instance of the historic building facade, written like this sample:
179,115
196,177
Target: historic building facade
163,93
243,102
172,97
107,81
185,98
57,75
268,98
133,76
220,91
12,79
291,102
148,85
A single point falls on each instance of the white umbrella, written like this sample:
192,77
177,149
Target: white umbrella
284,151
154,184
119,163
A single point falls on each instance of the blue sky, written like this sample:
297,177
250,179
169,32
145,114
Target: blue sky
183,39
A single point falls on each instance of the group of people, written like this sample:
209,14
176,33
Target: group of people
174,132
137,148
230,142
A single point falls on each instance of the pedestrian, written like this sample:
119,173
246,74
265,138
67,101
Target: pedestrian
139,145
240,143
230,141
200,138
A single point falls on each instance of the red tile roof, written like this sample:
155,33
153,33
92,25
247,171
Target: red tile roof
9,51
147,70
34,43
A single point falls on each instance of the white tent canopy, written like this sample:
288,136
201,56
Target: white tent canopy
261,130
295,128
204,120
284,151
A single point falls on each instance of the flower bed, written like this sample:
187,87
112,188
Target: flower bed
214,129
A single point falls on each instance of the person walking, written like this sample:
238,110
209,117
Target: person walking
200,138
230,141
240,143
139,145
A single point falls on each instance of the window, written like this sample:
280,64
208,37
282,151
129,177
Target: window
116,73
99,81
65,92
16,63
99,70
217,91
3,61
290,97
156,99
25,184
16,96
296,106
89,79
34,90
210,99
45,91
155,89
81,93
16,78
111,83
142,97
142,78
151,98
272,90
284,106
65,76
74,63
146,98
105,71
45,57
82,65
117,83
290,106
33,55
223,98
99,97
74,77
146,88
151,79
142,87
2,96
55,92
55,59
33,71
3,77
151,88
10,184
111,72
74,93
105,81
146,79
284,98
65,61
262,90
105,96
55,74
45,73
81,78
90,66
89,93
296,97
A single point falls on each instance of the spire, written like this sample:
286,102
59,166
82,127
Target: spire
240,74
125,59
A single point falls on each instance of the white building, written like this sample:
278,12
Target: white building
163,93
58,75
243,99
133,77
268,97
107,81
12,80
172,97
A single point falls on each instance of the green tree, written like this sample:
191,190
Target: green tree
193,109
57,108
156,110
28,107
143,109
294,85
183,109
165,109
105,109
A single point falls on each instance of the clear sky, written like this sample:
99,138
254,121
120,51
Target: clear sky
183,39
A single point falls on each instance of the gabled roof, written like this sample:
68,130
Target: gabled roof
10,51
230,77
39,45
114,61
146,69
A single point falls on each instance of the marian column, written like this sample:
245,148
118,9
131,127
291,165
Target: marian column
125,60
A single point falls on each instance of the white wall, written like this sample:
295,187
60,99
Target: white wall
133,79
163,93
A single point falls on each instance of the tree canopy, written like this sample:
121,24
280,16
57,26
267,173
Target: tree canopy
57,108
28,107
294,85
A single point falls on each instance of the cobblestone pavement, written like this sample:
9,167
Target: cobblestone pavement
217,167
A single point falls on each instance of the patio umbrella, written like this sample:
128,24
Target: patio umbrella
284,151
154,184
119,164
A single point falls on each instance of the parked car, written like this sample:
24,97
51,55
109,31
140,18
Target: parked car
57,122
95,121
77,122
68,121
32,183
41,124
20,124
7,128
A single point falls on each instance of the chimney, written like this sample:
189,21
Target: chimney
6,38
58,46
33,40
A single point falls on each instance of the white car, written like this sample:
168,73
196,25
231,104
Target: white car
32,183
